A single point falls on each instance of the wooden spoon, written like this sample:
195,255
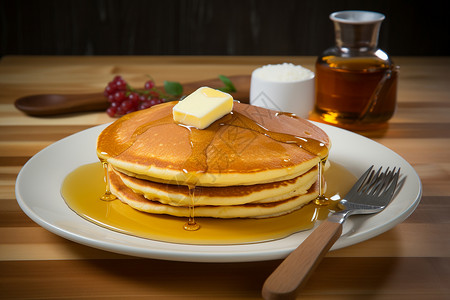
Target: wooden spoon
54,104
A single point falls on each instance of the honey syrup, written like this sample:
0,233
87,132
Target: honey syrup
355,93
107,196
83,187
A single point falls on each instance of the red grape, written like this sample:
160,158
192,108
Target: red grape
124,99
149,85
111,111
119,96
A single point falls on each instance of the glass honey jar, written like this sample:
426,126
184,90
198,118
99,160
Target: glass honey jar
356,82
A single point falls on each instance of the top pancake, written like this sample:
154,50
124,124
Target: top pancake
251,145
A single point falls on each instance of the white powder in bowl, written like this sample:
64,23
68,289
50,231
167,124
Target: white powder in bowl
285,72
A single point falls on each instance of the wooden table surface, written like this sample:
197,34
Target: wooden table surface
410,261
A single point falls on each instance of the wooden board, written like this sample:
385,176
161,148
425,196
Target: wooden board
411,261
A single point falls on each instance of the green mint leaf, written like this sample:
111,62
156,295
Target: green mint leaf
173,88
229,86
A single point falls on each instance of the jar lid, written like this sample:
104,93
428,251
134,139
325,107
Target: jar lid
357,17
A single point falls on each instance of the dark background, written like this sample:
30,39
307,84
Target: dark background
202,27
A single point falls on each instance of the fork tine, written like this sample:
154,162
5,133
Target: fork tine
384,181
371,183
386,190
393,183
374,184
358,184
377,185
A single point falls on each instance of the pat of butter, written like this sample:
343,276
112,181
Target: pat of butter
201,108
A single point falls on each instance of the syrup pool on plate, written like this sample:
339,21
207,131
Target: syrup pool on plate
84,186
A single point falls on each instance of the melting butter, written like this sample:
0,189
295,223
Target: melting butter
201,108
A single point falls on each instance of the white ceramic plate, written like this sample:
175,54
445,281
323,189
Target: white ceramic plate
39,197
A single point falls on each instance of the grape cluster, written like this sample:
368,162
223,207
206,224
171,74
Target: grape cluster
124,99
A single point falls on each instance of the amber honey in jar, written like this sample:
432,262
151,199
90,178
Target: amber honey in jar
356,83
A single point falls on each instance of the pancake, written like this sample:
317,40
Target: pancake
251,163
178,195
249,146
251,210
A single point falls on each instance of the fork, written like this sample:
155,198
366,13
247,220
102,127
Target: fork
370,194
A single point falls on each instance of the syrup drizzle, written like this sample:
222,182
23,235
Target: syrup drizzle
107,196
323,154
310,145
321,200
200,140
191,224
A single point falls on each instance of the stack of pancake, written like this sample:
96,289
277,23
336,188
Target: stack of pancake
251,163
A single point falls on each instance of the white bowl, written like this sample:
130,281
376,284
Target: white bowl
283,87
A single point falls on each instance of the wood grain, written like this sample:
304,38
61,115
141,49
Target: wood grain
293,273
410,261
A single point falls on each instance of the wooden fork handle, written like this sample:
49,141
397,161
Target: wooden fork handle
295,270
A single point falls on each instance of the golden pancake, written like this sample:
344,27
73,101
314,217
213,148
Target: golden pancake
179,195
251,145
252,210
